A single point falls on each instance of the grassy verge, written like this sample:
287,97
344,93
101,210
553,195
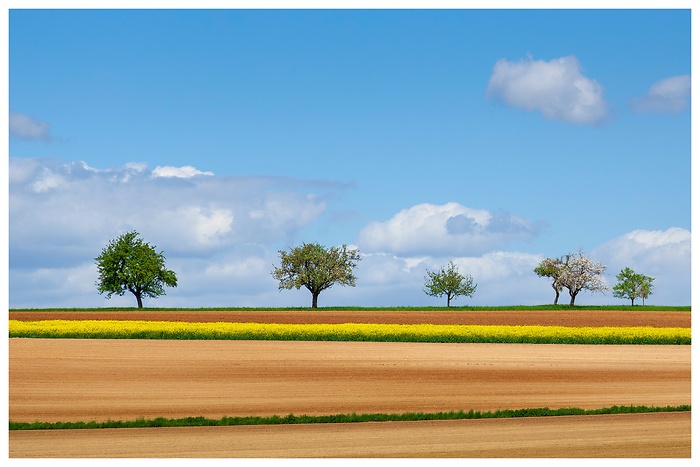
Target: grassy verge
340,418
116,329
396,308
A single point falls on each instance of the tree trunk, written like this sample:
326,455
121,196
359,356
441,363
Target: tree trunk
633,302
448,300
138,300
556,292
573,298
314,299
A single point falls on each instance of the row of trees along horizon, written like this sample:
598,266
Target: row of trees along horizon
129,264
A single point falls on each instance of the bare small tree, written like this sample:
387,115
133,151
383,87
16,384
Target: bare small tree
449,282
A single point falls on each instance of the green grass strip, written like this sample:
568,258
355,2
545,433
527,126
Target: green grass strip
292,419
117,329
390,308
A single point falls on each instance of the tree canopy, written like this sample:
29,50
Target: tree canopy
551,267
581,273
574,272
632,285
449,282
317,268
128,263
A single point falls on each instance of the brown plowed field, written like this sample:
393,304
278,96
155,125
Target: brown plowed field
664,435
533,317
75,379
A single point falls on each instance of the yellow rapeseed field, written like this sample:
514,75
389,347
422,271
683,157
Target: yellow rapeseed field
117,329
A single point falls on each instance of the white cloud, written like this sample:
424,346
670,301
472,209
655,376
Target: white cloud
62,214
557,89
29,128
655,251
47,181
199,225
186,171
662,254
221,236
450,229
503,278
507,277
60,287
670,95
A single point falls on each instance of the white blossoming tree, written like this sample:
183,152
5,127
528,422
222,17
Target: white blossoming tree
579,272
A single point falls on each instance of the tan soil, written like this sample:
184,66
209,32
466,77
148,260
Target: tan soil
72,379
531,317
664,435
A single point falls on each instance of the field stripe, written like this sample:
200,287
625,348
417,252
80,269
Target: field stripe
292,419
118,329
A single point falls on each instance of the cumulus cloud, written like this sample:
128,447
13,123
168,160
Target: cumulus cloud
558,89
447,229
186,171
507,277
386,279
60,287
220,234
662,254
29,128
670,95
656,251
63,213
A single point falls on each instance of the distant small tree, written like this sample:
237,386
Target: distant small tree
552,268
581,273
316,268
645,288
130,264
631,285
449,282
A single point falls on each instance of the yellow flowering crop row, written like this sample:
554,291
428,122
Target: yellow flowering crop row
104,329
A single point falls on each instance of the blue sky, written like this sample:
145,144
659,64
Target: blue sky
492,138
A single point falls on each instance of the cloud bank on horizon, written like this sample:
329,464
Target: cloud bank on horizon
221,236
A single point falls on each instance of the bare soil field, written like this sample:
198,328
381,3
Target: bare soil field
664,435
529,317
101,379
86,379
75,379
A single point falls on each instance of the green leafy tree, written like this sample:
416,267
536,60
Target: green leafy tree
317,268
449,282
552,268
646,288
130,264
631,285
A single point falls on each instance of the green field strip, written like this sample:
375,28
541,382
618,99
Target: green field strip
396,308
292,419
365,332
